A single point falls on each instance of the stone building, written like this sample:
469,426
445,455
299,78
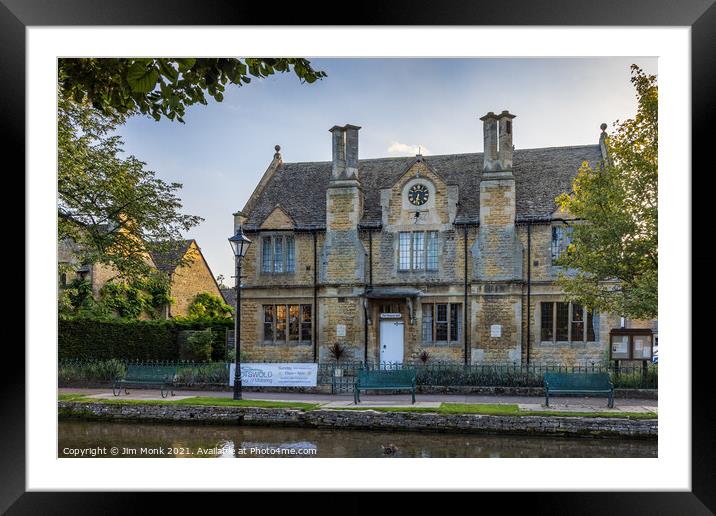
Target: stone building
190,275
450,254
184,263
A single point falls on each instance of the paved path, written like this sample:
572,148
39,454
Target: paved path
576,404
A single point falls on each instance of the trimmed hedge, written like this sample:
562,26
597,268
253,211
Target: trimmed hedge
132,340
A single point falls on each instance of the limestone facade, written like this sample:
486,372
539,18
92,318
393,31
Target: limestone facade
445,256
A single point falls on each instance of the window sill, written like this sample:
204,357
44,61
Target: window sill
441,344
565,343
291,344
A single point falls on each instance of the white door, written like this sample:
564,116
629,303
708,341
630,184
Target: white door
391,341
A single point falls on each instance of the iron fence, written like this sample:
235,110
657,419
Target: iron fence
341,376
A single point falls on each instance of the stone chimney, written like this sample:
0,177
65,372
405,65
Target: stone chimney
489,134
505,141
497,134
496,251
343,255
345,152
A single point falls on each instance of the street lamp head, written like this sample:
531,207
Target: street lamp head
239,243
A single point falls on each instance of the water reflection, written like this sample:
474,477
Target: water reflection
159,440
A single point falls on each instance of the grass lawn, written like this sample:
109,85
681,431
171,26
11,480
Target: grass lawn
505,409
487,409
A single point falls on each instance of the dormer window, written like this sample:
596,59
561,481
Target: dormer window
278,254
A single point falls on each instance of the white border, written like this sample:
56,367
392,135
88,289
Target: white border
670,471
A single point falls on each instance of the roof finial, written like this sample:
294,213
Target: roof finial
603,127
278,152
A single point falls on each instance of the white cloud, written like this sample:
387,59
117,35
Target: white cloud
404,148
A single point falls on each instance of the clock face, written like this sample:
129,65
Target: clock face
418,194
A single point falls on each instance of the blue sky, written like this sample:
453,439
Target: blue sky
222,150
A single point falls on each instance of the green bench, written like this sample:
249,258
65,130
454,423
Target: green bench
384,379
153,375
578,383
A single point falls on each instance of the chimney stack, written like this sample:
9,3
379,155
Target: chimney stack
345,151
506,147
489,133
497,134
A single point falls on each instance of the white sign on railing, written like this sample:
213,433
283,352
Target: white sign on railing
276,375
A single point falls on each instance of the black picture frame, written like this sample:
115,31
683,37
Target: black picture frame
700,15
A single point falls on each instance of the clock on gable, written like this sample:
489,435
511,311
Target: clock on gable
418,194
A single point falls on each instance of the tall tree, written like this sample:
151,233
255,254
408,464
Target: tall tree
164,87
111,206
614,247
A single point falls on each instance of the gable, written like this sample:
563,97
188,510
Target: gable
278,219
399,211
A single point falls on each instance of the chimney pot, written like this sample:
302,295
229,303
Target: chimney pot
497,134
345,151
506,147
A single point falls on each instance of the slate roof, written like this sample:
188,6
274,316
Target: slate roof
168,259
540,175
229,296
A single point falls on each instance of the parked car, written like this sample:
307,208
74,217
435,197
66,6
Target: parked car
655,355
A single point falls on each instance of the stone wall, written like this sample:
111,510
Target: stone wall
302,276
497,332
341,320
365,419
189,280
343,256
541,252
253,346
567,353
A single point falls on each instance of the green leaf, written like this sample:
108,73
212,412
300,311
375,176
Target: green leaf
185,64
142,79
168,70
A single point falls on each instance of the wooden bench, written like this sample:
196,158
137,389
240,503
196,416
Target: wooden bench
163,376
384,379
578,383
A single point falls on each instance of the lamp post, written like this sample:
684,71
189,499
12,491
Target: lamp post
240,245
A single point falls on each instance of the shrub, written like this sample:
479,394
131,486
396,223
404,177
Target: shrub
208,306
102,339
337,351
213,373
90,371
424,355
199,345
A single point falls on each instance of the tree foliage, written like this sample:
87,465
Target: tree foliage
129,300
208,306
615,248
199,345
163,87
141,297
110,205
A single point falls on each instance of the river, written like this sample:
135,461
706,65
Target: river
111,439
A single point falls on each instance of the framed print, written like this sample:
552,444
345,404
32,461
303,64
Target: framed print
404,252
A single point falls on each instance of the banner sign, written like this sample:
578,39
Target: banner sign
276,375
